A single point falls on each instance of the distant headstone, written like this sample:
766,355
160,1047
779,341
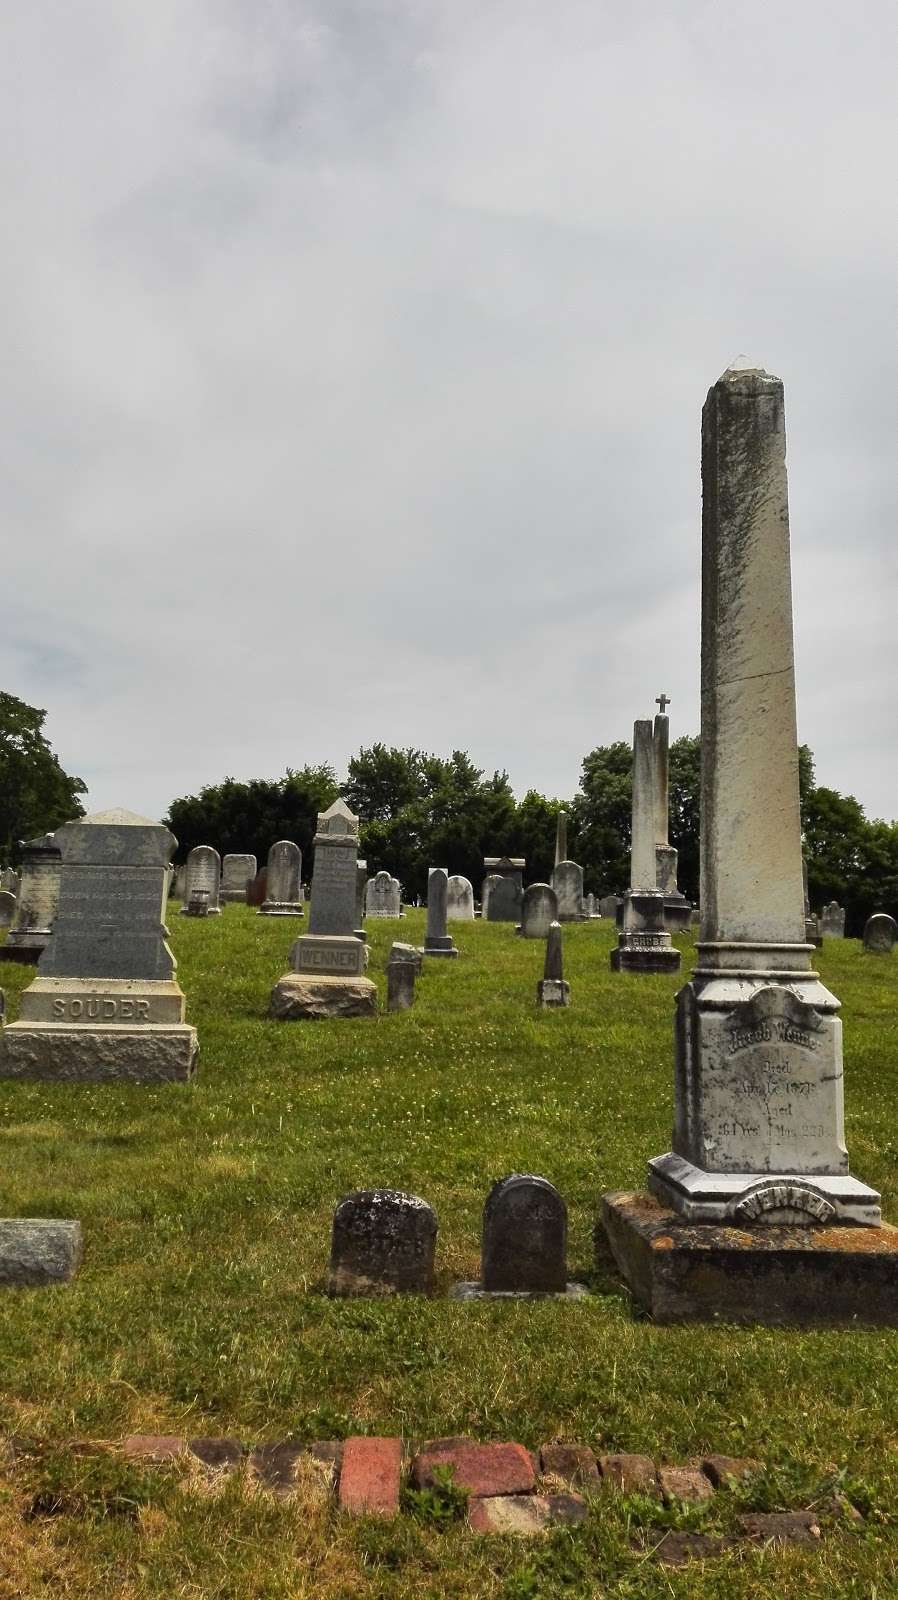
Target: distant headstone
506,867
552,989
9,880
402,970
237,873
37,902
283,886
383,896
538,909
486,890
832,921
327,976
504,901
437,942
567,881
524,1240
460,904
589,905
7,908
644,944
609,905
105,1004
203,872
383,1243
361,884
880,933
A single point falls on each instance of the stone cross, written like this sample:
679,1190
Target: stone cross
662,702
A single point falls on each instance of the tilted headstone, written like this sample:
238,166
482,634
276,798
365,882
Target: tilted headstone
644,944
7,908
37,902
383,1243
504,901
203,872
567,881
105,1004
237,873
327,976
539,907
524,1238
758,1124
437,942
552,990
283,884
383,896
460,904
880,933
832,921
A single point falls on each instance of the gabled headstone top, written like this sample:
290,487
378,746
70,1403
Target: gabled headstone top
115,837
337,820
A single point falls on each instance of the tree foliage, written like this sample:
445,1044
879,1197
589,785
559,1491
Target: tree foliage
36,795
251,816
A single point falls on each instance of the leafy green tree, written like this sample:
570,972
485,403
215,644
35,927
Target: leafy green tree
381,782
600,815
251,816
536,824
36,795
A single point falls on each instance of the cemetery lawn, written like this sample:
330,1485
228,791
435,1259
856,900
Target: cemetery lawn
199,1309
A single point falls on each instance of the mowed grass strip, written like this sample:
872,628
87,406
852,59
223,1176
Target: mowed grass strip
199,1308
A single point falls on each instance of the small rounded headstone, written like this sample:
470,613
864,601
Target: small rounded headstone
524,1242
7,907
880,933
539,909
383,1243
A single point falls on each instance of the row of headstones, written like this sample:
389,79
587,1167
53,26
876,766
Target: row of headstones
384,1242
503,897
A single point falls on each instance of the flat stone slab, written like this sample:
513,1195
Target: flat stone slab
297,997
38,1250
525,1514
773,1275
476,1291
151,1053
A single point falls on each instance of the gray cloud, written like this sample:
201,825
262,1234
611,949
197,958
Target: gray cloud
354,360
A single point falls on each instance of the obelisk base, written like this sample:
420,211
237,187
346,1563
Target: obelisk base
744,1198
26,948
769,1274
89,1053
553,992
643,943
280,908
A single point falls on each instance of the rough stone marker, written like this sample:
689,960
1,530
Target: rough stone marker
105,1004
383,1243
758,1176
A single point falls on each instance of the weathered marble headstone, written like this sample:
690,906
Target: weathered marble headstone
7,907
832,921
677,909
880,933
561,838
523,1242
644,943
609,906
37,902
539,908
567,881
552,990
403,968
203,871
460,904
198,904
437,942
283,882
9,880
486,890
237,873
383,896
503,903
327,976
383,1243
105,1004
589,905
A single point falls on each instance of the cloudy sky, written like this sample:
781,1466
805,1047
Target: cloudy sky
354,353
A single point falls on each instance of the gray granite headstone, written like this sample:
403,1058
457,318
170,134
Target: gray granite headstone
383,1243
237,873
437,942
38,1250
111,899
539,908
609,905
504,903
37,901
283,881
567,881
880,933
334,904
524,1241
203,871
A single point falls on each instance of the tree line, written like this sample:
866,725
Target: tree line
420,810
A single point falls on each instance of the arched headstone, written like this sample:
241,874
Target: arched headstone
524,1240
567,881
539,908
203,872
237,873
460,904
880,934
283,881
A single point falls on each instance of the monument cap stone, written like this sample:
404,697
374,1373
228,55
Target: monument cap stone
383,1243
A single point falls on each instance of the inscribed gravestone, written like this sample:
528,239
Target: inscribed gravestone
567,881
37,902
460,904
880,933
328,963
538,910
237,872
524,1239
504,902
383,896
203,872
609,906
105,1003
283,881
383,1243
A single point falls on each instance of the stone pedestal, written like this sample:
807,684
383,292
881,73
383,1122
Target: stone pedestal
553,992
327,979
644,944
775,1274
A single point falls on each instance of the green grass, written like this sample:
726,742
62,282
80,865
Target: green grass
199,1308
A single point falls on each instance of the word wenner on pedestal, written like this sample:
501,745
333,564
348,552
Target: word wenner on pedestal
747,1214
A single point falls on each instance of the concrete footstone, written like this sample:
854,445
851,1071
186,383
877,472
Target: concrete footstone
297,997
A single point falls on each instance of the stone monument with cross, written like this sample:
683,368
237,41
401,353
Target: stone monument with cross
753,1214
677,909
644,944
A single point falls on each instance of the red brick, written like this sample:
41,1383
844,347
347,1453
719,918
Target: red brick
684,1483
481,1469
153,1446
629,1474
369,1477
